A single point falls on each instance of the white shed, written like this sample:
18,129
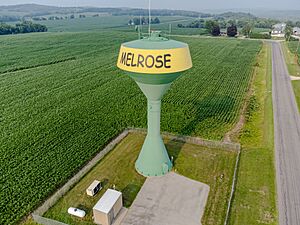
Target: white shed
108,207
94,188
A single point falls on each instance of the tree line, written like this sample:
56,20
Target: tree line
143,21
288,32
19,28
212,27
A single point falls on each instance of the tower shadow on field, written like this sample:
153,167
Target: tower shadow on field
174,148
210,106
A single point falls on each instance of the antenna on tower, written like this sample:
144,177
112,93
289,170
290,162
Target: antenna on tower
140,27
149,18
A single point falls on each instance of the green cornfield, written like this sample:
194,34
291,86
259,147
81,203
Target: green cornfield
63,99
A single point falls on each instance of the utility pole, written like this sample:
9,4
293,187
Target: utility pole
297,48
296,53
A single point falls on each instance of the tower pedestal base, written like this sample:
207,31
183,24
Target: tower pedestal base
153,159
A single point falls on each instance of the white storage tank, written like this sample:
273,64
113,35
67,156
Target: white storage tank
76,212
108,207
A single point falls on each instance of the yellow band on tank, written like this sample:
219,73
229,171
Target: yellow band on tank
151,61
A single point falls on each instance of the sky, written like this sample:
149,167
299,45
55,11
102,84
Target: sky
195,5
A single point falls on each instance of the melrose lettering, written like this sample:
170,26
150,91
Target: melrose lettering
140,61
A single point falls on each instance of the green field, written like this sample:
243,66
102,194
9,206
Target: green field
211,166
293,45
63,99
295,67
255,197
296,86
292,59
118,23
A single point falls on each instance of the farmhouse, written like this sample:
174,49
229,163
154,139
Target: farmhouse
278,30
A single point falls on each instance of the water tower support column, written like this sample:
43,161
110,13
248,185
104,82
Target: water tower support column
153,159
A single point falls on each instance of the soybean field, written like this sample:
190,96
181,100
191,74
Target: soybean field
63,99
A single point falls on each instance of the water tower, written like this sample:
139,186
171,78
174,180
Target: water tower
154,63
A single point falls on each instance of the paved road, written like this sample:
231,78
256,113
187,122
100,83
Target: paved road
287,141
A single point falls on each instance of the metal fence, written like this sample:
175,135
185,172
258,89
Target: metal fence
46,221
37,214
229,146
62,191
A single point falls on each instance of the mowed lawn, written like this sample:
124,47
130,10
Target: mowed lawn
294,46
296,86
291,58
212,166
255,197
62,99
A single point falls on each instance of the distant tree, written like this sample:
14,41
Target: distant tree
200,23
241,23
288,32
72,16
209,25
216,31
82,16
144,21
180,25
6,29
24,27
232,31
231,23
134,21
222,23
213,27
36,19
290,23
247,29
156,20
9,18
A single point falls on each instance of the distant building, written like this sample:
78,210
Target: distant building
296,31
278,30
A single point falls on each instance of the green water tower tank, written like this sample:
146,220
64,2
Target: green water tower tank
154,63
